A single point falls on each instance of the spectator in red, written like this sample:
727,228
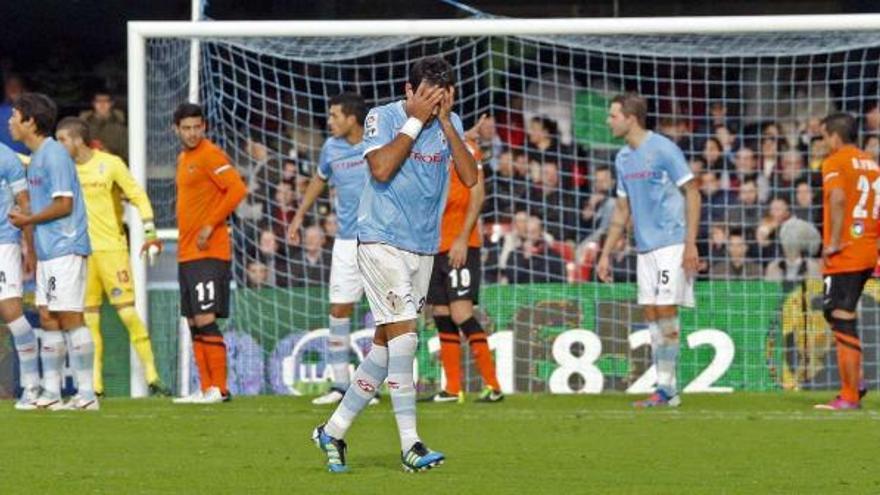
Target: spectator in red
283,208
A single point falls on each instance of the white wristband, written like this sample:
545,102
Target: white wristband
412,127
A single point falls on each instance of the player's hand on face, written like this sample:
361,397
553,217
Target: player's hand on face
691,259
603,269
204,235
446,104
458,253
421,103
17,218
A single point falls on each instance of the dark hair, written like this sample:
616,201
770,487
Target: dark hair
187,110
433,70
716,141
76,126
352,104
631,104
102,92
736,231
842,124
38,107
548,124
780,198
602,168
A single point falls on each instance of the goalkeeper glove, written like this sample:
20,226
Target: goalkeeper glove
152,245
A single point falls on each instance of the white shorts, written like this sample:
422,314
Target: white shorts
346,284
10,271
662,280
61,283
396,281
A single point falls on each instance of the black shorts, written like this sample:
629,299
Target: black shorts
204,287
843,290
449,284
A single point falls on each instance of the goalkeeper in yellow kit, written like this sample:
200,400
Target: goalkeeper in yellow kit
105,179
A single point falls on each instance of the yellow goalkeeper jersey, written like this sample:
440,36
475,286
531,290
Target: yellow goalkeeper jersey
105,180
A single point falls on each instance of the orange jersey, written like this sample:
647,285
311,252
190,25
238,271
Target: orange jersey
457,200
856,172
208,190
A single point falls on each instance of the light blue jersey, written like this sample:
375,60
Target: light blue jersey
343,165
650,178
405,211
50,174
12,182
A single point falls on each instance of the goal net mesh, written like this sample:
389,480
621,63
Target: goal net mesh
744,108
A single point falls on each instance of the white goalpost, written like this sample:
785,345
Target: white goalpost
265,83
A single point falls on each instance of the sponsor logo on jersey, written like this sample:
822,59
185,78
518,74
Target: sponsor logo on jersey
371,125
430,158
857,230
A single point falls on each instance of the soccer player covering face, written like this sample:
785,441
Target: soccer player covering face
208,191
850,184
409,144
342,164
655,186
61,240
455,287
102,177
14,194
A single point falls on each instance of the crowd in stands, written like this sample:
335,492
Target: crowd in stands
549,202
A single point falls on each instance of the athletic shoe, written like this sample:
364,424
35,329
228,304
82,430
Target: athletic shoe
45,401
838,404
863,389
658,399
374,401
212,396
28,399
159,389
491,395
332,397
421,458
444,396
193,398
334,448
77,403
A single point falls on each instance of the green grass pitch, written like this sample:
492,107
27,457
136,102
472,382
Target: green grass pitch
740,443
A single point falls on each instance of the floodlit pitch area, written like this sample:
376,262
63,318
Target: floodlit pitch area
741,443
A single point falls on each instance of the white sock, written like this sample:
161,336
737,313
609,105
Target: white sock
82,360
52,353
367,379
401,354
667,355
656,340
338,351
25,340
